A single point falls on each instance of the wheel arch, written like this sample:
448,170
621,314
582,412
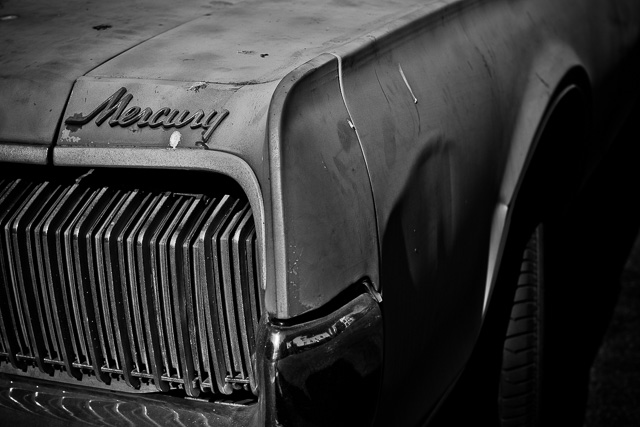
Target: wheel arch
551,130
517,226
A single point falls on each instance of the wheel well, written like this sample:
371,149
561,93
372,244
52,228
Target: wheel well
555,167
553,173
560,144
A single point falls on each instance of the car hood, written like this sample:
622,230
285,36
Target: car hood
46,46
66,59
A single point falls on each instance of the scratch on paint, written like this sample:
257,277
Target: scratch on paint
381,88
543,81
415,100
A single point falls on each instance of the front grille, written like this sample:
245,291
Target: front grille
109,274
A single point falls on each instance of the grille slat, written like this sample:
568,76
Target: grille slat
243,306
27,297
102,259
253,284
227,271
200,355
204,281
167,294
131,281
152,319
92,260
201,295
68,275
158,288
40,298
86,283
10,196
215,283
58,301
119,297
13,272
72,336
183,301
38,236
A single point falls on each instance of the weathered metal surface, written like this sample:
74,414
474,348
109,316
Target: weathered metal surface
116,108
374,139
417,104
200,160
119,112
118,275
323,216
28,402
437,100
47,47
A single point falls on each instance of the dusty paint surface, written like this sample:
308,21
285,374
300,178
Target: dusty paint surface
51,44
427,90
46,48
387,138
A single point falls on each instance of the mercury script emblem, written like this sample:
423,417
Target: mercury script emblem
115,109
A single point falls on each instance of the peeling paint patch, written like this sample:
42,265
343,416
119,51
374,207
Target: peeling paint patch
67,137
247,52
174,140
197,86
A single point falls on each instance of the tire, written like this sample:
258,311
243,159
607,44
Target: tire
519,386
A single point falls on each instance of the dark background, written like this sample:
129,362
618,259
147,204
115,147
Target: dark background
614,389
593,345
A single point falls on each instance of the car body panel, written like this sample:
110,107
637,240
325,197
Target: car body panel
434,103
48,47
378,142
197,41
320,189
53,405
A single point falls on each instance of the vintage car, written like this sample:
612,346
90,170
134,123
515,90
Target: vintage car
290,213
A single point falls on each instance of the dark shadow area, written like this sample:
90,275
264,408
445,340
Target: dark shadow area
587,252
614,388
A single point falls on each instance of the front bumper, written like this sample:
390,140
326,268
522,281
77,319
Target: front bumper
325,371
27,402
